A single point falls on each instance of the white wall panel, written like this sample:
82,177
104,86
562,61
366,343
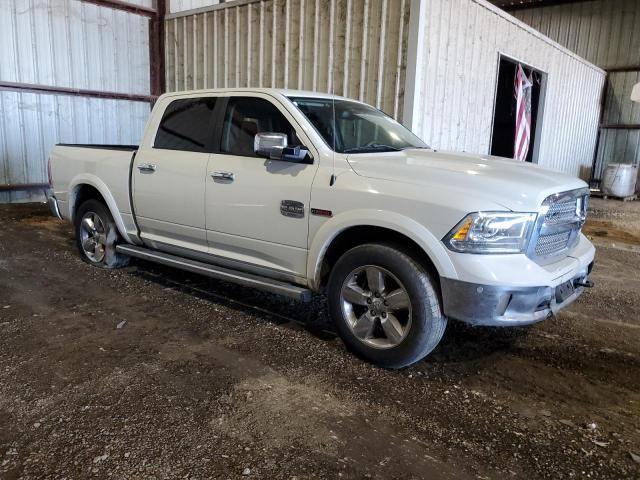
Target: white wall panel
70,44
31,124
456,80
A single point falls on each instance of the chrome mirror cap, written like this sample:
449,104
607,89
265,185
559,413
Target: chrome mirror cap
269,144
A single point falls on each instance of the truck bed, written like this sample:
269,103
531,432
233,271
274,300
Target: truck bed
107,168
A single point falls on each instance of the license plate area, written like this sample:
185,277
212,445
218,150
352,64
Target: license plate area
564,291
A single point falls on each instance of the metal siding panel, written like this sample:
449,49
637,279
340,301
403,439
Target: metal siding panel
606,35
73,44
569,123
4,166
426,104
455,105
67,43
619,109
617,146
320,40
353,60
8,51
184,5
169,33
289,43
302,58
266,43
14,151
32,123
280,53
398,96
610,39
471,60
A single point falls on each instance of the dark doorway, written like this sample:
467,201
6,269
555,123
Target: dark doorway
504,113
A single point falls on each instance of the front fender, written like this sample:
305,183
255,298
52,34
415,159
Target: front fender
95,182
329,230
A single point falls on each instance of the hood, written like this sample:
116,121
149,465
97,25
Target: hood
514,185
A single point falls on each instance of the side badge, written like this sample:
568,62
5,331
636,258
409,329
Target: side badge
292,208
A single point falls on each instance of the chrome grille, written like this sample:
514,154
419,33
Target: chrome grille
550,244
558,228
561,212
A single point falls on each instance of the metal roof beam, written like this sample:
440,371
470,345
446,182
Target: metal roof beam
124,6
74,92
513,5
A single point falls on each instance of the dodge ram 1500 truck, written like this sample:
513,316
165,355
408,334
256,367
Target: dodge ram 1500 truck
298,192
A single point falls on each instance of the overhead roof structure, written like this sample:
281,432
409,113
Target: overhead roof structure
519,4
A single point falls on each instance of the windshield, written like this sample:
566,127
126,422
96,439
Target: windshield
358,128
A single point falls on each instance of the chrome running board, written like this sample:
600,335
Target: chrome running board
262,283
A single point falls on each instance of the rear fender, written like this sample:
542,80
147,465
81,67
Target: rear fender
101,187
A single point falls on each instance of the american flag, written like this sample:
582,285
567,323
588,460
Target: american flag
523,114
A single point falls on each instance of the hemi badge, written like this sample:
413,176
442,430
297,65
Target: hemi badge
320,212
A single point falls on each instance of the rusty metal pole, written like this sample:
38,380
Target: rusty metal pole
156,49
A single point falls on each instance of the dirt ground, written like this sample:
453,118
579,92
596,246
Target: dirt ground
147,372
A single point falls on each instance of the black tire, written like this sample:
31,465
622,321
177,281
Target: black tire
108,233
427,323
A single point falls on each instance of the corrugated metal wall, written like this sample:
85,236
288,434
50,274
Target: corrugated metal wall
287,44
457,66
602,31
619,145
606,33
182,5
73,44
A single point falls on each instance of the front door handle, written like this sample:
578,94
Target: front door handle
228,176
146,167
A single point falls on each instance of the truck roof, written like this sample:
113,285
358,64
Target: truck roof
280,91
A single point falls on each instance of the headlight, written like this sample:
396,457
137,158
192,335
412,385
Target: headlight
491,232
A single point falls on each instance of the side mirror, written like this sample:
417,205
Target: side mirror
269,144
274,147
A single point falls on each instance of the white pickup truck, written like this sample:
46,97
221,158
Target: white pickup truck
297,192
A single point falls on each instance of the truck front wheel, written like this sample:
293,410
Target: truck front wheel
385,306
97,236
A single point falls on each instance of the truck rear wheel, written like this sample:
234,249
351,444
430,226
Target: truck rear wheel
97,236
385,306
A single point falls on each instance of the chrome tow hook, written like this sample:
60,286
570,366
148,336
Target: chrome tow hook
583,283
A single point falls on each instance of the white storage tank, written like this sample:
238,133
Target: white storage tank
620,180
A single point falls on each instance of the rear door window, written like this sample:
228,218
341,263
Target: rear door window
187,124
247,116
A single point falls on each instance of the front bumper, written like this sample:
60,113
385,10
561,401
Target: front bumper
491,305
52,201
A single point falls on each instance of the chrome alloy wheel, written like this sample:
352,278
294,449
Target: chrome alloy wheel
93,237
376,307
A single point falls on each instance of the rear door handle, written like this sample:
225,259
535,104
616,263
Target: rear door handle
228,176
146,167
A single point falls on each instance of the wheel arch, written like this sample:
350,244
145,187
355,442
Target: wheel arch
85,187
338,235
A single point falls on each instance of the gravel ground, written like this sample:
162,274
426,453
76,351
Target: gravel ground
147,372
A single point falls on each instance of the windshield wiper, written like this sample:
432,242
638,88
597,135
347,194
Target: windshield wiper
374,147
